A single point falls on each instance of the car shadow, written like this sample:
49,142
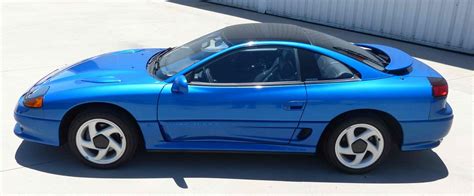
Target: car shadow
406,167
424,52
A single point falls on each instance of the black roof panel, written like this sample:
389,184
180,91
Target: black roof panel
243,33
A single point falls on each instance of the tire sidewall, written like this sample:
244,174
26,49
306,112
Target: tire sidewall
329,147
125,125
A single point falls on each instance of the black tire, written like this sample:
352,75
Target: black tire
122,120
329,146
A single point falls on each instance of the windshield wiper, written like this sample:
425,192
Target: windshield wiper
156,64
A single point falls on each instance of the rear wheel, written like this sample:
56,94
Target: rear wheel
358,145
102,139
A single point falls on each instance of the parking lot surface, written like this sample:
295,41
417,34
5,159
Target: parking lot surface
38,37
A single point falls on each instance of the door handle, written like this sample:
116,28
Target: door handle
294,105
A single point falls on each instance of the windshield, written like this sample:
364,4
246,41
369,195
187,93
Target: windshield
171,61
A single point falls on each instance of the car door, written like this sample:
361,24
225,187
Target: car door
249,95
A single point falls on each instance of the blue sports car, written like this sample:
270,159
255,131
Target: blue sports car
247,88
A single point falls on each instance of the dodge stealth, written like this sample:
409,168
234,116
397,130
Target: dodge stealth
245,88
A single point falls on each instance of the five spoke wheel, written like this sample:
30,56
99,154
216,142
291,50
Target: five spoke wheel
103,137
100,141
359,146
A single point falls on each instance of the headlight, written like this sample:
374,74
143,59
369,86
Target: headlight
34,97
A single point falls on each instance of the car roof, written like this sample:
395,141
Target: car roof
242,33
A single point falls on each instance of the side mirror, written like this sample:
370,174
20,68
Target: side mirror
180,85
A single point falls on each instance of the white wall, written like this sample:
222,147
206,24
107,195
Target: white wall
447,24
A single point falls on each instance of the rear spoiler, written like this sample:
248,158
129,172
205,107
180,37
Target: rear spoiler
399,60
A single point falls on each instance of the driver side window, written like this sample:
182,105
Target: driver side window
253,65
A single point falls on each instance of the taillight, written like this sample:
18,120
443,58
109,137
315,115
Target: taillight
439,87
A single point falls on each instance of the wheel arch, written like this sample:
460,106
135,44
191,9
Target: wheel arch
392,123
74,111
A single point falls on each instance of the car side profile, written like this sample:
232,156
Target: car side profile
259,87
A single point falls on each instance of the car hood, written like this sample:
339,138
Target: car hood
126,66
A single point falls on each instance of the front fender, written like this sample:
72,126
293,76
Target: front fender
138,99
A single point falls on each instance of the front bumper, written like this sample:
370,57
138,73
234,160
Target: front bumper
37,130
30,126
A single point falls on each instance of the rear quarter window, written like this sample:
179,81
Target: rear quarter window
317,67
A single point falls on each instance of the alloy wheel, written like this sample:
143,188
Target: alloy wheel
359,146
100,141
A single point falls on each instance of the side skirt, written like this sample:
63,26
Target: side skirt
230,147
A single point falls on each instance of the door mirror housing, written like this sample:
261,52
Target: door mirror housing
180,85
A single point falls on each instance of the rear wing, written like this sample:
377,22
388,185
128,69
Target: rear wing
400,62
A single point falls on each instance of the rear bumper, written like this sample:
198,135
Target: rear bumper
421,135
37,130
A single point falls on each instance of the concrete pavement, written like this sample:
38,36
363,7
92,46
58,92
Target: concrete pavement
38,37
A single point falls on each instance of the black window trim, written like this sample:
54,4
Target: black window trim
246,84
353,79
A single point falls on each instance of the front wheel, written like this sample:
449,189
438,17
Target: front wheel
102,139
358,145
